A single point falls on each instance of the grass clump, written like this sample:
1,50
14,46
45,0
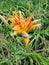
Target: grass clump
12,49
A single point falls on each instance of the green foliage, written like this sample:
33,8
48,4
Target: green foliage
12,48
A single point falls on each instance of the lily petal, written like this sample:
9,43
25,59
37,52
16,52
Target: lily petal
15,15
35,21
29,18
33,26
17,27
12,19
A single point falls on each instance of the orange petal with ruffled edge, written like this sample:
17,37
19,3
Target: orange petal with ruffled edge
17,27
15,15
29,18
12,19
33,24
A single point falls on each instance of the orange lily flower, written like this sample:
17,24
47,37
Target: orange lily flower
21,25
